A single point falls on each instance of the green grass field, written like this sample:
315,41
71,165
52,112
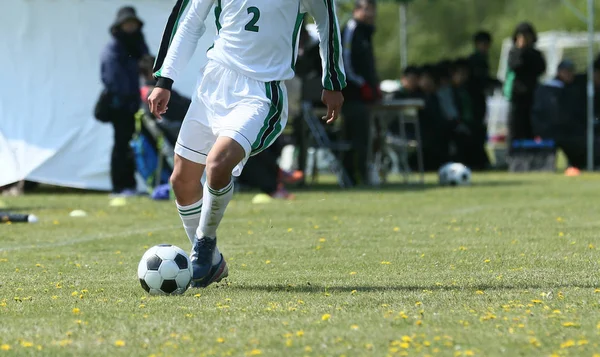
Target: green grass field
507,267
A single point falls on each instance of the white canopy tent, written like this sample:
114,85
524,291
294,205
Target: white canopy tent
51,76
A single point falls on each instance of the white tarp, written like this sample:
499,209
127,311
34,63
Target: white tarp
50,81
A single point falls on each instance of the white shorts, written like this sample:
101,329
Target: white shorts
226,103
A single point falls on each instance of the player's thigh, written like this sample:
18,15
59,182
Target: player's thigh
257,126
193,145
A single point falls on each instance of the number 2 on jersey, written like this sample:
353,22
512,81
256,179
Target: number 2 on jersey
251,25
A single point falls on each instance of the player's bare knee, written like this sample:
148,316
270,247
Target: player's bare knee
218,170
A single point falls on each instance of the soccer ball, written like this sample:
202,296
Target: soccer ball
165,270
454,174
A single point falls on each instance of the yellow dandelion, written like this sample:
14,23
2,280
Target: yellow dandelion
197,295
189,316
406,338
76,310
352,273
255,352
26,344
418,303
559,219
487,261
536,301
5,347
561,234
250,232
119,343
142,306
316,227
479,292
290,229
354,327
582,342
469,353
385,263
326,317
426,343
289,342
308,349
300,333
396,229
570,324
596,290
567,344
419,322
591,246
534,342
220,340
369,346
404,345
353,292
267,262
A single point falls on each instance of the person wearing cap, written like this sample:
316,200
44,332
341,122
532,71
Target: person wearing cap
526,64
120,77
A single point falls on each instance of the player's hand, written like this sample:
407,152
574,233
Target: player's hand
158,100
334,101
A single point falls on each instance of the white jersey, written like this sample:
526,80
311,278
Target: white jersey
257,38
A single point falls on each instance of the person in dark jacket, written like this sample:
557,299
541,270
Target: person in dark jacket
434,125
526,64
363,86
570,120
480,84
120,76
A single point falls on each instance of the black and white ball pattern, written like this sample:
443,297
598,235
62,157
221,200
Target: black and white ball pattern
165,270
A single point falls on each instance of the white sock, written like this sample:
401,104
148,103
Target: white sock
215,203
190,216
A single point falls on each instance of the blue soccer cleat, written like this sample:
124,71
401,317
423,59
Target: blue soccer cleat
204,272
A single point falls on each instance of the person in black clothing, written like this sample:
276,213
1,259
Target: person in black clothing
120,76
434,126
479,86
363,86
526,64
410,83
570,119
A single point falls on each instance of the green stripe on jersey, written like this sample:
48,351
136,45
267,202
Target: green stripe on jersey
218,10
299,20
181,11
338,51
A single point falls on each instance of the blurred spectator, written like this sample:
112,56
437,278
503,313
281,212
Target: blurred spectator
434,126
445,91
308,70
526,64
553,104
470,131
409,83
363,86
479,86
560,113
120,76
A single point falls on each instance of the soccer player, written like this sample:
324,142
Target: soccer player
240,105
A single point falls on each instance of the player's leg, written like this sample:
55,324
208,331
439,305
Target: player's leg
185,181
193,144
224,156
